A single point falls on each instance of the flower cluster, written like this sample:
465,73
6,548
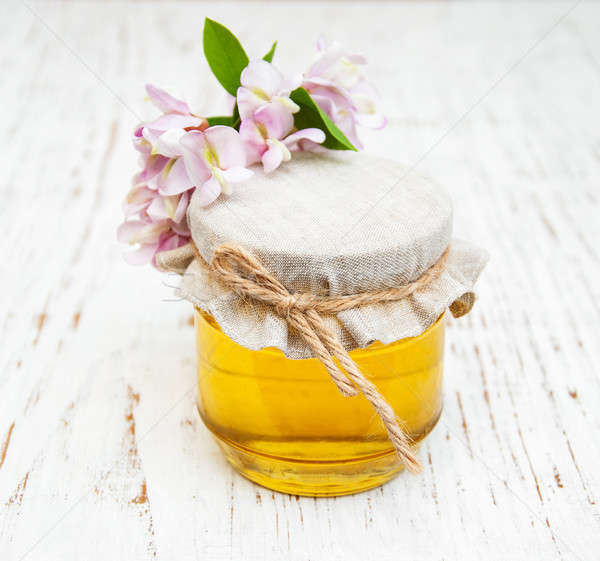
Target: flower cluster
182,153
267,115
337,84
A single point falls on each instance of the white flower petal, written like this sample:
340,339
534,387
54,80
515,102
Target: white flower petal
237,174
248,102
184,201
173,121
207,192
174,179
314,135
276,120
157,209
226,145
251,135
262,76
196,167
287,103
165,101
137,231
276,154
168,143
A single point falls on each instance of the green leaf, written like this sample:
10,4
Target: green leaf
220,120
269,56
225,55
312,116
227,120
235,118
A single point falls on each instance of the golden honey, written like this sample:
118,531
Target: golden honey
282,423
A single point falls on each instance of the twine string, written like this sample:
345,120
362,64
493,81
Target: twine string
243,273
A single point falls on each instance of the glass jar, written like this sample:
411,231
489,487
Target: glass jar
283,424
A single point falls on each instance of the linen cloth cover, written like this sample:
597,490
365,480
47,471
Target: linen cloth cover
330,224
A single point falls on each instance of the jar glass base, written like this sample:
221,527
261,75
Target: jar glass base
313,478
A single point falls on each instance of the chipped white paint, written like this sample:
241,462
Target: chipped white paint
101,453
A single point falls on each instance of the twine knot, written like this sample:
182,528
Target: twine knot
287,303
243,273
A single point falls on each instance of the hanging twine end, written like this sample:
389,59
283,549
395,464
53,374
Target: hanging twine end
412,464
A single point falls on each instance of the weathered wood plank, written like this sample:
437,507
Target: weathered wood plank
102,454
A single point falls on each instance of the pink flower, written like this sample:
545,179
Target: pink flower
151,164
264,136
159,223
337,84
214,159
152,237
155,208
181,156
158,143
159,172
263,84
267,114
177,115
156,205
166,102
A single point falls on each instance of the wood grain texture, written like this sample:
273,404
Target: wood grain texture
102,455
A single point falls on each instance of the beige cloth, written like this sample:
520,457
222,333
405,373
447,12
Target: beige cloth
331,224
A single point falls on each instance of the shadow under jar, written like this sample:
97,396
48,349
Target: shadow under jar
283,424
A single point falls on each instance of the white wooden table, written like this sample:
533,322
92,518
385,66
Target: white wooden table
102,456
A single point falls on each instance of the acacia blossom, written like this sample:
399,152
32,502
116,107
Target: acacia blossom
267,126
153,221
162,136
265,139
157,143
214,159
153,236
155,206
176,115
262,84
207,162
336,83
181,155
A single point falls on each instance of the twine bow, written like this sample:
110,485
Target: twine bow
246,275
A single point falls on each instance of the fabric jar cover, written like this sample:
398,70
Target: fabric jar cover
331,224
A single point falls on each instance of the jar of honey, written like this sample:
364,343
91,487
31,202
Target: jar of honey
283,424
329,279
